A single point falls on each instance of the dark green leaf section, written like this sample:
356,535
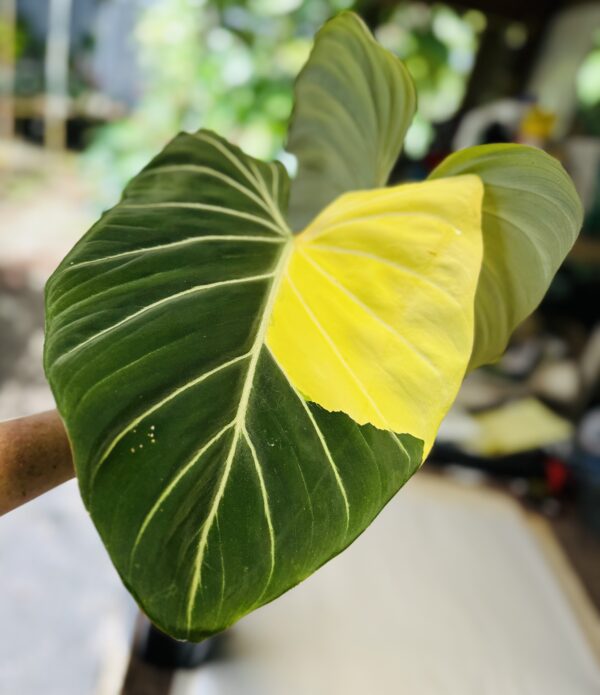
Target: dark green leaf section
213,484
354,102
530,219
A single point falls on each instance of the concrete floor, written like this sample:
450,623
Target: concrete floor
449,592
65,619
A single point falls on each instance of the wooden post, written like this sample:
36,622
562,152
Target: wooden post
56,71
35,456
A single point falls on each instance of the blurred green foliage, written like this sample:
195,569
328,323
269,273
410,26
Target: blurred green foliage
438,45
217,65
588,90
230,66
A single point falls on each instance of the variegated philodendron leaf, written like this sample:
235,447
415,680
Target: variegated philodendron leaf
242,402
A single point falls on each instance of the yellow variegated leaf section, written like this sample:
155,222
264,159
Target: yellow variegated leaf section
374,315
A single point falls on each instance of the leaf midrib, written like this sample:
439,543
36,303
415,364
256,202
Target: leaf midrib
241,431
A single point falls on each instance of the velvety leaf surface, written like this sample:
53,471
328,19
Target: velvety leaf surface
354,101
214,483
531,217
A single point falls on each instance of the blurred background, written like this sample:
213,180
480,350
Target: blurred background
483,575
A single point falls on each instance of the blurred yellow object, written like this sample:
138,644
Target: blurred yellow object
518,426
537,124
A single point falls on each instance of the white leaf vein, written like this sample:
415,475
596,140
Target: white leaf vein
340,357
163,401
208,208
184,470
253,177
160,302
327,451
208,171
174,244
342,288
240,423
330,248
266,507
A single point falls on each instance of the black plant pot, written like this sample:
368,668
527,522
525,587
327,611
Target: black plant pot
162,651
156,657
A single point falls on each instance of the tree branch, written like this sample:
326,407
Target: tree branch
35,456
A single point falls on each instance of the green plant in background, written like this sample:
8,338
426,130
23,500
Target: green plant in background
438,46
588,90
227,65
242,400
230,67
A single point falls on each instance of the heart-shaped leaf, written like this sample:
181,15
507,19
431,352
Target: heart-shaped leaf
241,401
191,339
531,217
354,102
